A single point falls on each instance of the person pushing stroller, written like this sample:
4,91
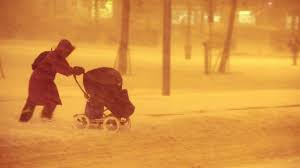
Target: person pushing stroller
42,89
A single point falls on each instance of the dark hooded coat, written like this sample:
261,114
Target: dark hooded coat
42,89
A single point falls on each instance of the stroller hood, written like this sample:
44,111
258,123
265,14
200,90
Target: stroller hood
95,79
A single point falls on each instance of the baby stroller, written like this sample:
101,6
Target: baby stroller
108,105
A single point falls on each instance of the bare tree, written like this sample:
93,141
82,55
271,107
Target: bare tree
167,46
123,47
228,40
1,69
202,20
54,8
188,45
208,44
96,11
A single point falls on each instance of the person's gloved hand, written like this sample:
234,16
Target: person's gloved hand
78,70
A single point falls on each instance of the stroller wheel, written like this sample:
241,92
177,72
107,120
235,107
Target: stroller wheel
111,124
125,123
81,121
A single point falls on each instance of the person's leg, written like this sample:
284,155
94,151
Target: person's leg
48,110
27,111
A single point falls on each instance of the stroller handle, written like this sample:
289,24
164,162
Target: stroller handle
83,91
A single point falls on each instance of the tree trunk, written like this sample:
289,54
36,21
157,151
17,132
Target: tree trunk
298,26
167,46
1,69
202,22
123,48
96,11
208,44
210,18
228,40
54,8
206,57
188,45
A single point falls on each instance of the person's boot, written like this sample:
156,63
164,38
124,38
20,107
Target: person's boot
47,112
26,115
27,111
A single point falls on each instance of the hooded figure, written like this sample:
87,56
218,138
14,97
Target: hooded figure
42,89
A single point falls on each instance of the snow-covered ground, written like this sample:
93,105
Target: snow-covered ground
248,118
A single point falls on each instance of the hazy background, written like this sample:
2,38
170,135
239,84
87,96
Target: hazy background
265,25
247,117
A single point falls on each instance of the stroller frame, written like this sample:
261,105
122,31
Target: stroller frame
107,122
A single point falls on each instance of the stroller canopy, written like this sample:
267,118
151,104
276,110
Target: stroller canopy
98,78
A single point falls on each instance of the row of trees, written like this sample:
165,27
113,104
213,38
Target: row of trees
122,62
290,6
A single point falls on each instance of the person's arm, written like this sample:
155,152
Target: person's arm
62,66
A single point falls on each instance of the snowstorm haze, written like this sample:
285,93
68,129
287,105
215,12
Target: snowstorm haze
265,27
214,83
79,20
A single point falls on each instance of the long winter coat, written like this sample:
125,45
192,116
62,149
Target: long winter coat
42,89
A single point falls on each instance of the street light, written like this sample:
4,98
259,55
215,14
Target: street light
270,3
